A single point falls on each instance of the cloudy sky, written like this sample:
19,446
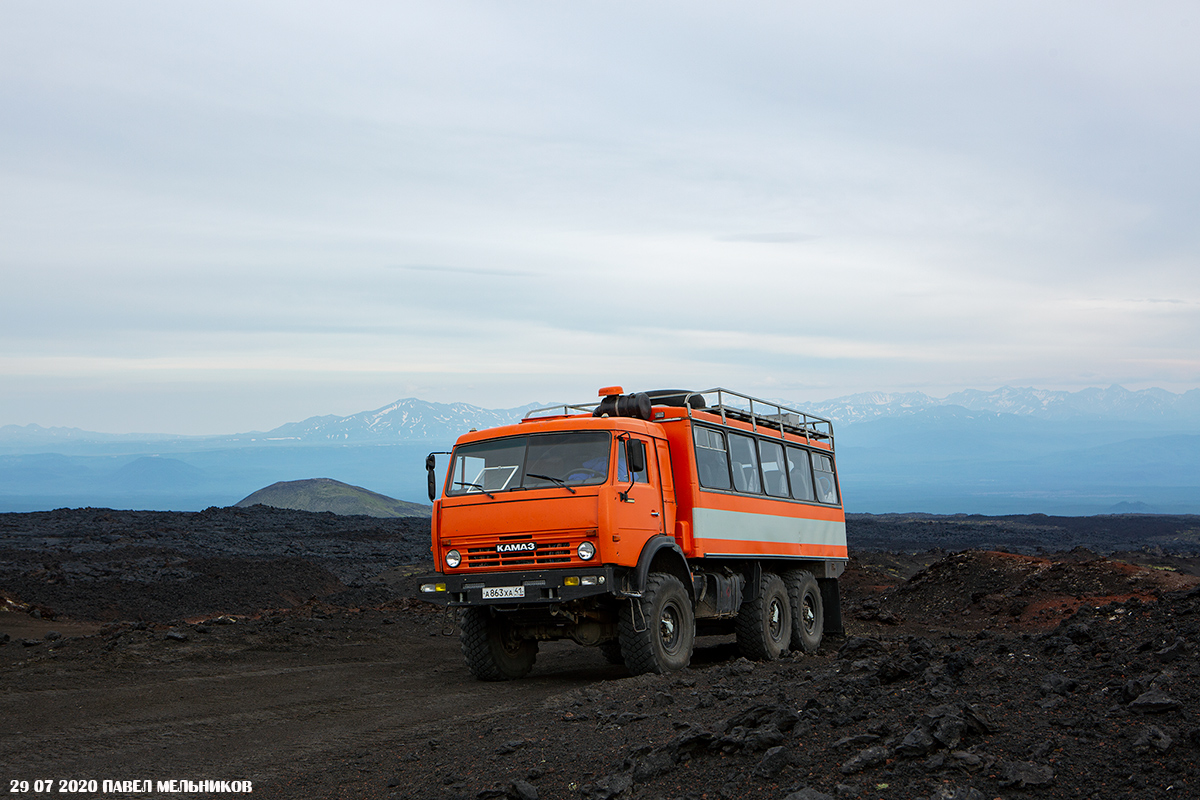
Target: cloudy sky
225,216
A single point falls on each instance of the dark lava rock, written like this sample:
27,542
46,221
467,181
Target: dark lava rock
860,647
1023,774
523,790
949,731
808,794
856,741
957,793
967,759
1172,652
892,670
1079,633
917,743
772,763
607,788
865,759
1154,702
1152,737
1058,684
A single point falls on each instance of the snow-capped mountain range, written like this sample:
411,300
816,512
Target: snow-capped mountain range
1115,403
407,420
415,420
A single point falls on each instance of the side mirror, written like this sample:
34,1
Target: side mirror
430,470
635,455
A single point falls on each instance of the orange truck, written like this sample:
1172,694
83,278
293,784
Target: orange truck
636,523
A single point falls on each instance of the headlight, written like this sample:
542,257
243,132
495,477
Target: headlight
587,551
453,559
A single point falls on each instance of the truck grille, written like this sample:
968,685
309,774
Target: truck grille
546,553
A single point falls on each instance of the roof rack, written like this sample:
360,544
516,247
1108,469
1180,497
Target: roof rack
560,410
728,405
764,413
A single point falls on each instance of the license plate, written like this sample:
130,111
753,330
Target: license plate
502,592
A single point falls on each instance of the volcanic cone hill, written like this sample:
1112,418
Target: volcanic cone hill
326,494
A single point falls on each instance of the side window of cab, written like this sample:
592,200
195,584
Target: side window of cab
622,468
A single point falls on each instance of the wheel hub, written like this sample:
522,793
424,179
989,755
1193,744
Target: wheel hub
668,627
775,619
807,615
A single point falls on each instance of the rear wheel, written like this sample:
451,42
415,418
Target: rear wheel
658,629
808,612
492,649
764,624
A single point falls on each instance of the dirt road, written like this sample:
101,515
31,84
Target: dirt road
262,700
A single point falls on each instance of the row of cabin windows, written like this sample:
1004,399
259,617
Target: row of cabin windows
758,466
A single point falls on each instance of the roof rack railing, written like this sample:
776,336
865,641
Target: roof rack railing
765,413
560,410
728,405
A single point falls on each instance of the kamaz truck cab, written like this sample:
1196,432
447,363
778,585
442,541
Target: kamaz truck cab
635,523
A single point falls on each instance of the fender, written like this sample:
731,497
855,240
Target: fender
670,559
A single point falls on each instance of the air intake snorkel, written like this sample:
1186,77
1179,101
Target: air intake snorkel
617,404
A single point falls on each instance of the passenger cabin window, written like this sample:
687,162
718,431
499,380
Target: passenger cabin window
801,474
744,460
712,462
823,470
773,470
752,465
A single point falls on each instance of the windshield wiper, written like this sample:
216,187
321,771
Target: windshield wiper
559,481
476,486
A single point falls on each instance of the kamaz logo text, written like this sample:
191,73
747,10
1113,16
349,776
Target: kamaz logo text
516,547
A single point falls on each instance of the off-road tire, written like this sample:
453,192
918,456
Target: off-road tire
611,650
808,610
491,650
764,624
658,630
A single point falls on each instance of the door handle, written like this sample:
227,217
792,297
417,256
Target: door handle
654,513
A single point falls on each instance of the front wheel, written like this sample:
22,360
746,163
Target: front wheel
492,649
764,624
658,630
808,610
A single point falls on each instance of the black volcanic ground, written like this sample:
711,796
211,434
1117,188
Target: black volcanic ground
1023,656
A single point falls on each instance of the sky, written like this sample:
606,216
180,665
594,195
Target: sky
223,217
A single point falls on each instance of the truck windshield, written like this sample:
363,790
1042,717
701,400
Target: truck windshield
531,462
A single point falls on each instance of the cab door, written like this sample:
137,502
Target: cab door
637,504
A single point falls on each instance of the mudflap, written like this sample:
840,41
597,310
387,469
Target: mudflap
831,600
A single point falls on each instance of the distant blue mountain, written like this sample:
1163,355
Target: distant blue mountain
1006,451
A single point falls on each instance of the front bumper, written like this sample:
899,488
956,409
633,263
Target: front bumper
538,587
